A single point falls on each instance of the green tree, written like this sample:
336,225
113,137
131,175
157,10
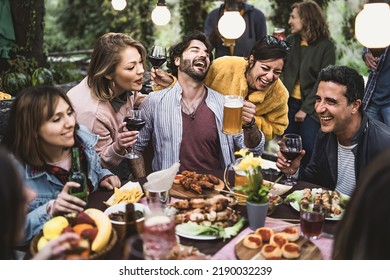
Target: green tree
193,14
90,19
27,16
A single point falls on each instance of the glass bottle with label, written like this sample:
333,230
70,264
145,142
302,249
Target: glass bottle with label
77,175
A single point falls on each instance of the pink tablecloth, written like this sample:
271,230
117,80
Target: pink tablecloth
227,252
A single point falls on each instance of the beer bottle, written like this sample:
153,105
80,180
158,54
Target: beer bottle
76,175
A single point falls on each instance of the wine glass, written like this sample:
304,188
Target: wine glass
157,58
291,148
135,120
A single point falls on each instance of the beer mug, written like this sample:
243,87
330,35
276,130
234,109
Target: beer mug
240,179
232,114
279,33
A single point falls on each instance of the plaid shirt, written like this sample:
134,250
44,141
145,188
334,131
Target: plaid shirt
63,175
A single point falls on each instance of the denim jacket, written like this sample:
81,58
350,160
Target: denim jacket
47,186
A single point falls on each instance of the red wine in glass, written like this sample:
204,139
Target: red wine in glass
134,124
135,121
290,148
157,61
157,58
290,154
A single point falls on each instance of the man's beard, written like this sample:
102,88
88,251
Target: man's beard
186,67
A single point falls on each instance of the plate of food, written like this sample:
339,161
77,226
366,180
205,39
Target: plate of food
190,184
131,192
265,244
206,219
333,201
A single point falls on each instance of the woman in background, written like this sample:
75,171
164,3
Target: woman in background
312,50
41,131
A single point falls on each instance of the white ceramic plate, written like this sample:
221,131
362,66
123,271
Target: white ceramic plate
128,186
278,189
198,237
343,197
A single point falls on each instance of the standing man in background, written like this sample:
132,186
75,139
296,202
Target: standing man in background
256,29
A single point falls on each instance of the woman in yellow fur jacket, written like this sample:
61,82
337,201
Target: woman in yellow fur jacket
256,78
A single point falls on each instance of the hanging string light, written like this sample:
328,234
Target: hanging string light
372,27
231,25
118,5
161,15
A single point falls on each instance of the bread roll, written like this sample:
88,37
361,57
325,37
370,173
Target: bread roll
292,233
278,239
291,251
265,233
270,251
252,241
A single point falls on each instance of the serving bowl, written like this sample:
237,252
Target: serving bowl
120,226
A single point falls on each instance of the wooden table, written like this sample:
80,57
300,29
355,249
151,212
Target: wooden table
210,247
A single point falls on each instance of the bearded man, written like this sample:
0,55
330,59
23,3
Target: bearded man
184,121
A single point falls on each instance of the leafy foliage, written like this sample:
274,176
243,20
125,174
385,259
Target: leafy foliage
193,14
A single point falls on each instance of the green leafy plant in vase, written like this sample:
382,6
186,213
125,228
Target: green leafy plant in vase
256,191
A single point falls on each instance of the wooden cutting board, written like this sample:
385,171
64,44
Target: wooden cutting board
309,251
179,191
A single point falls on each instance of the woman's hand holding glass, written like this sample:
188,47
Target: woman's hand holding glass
125,139
135,121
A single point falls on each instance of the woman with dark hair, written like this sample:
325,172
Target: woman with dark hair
42,129
256,78
14,197
365,228
311,50
113,83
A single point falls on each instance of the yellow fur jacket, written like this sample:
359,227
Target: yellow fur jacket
227,76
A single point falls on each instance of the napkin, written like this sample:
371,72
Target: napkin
161,180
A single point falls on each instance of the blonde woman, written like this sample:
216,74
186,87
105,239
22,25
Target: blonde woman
113,82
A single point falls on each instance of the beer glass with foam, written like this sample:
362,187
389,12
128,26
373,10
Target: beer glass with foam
232,114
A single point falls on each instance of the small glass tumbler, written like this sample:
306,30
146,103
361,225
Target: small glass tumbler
158,236
312,219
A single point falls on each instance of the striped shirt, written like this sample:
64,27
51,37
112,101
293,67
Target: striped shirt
346,178
164,126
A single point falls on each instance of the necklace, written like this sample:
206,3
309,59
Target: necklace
190,109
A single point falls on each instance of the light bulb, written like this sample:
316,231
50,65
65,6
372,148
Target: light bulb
231,25
372,25
118,5
161,15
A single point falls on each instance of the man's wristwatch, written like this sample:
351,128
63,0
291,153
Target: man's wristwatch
249,125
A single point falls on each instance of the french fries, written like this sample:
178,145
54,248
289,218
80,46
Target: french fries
4,95
125,195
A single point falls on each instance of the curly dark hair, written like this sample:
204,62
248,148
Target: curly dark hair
178,49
